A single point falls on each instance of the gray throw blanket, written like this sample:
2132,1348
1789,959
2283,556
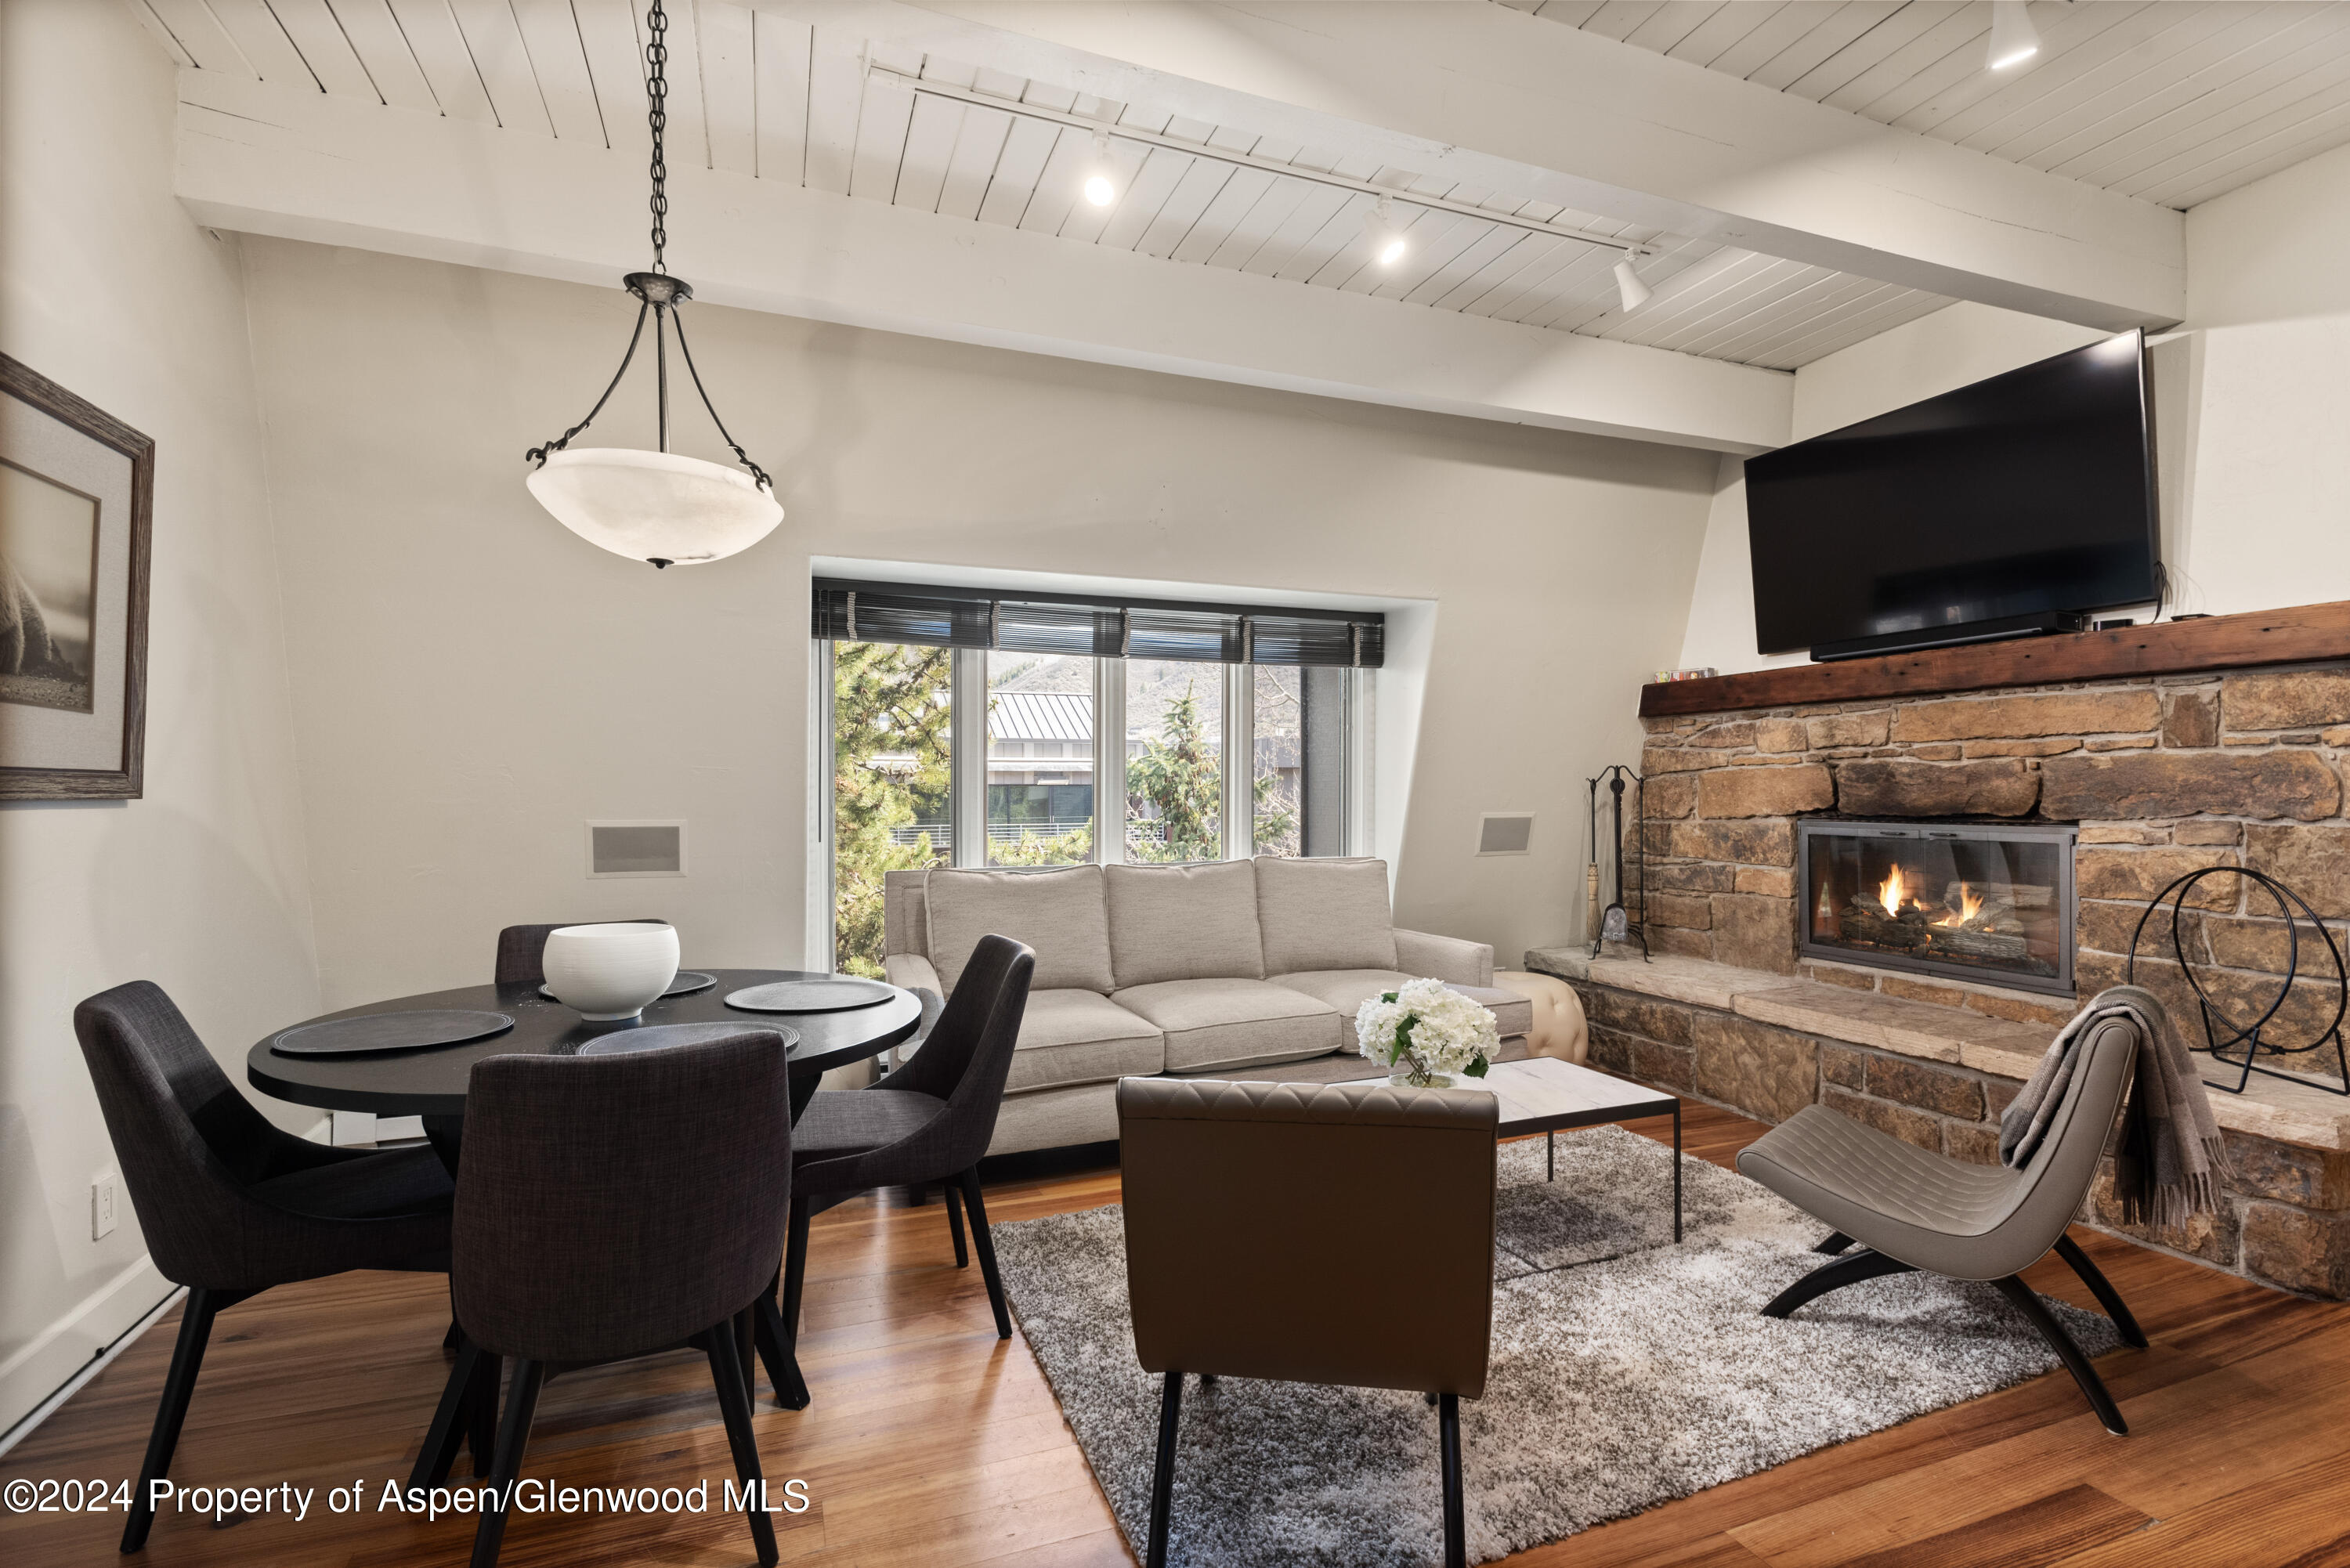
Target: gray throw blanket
2169,1144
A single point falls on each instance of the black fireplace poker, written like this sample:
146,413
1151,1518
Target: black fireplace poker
1616,922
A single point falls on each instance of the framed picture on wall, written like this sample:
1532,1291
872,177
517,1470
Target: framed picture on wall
76,498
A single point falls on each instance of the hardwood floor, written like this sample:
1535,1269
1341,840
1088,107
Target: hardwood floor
932,1443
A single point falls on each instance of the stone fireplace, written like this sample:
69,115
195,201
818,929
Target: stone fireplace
2032,796
1968,901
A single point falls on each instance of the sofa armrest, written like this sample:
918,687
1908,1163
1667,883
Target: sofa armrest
1448,959
912,970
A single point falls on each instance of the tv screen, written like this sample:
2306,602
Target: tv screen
2026,495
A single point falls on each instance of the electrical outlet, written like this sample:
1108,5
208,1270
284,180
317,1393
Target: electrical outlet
101,1207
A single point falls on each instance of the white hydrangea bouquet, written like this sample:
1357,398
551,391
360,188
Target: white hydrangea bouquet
1428,1034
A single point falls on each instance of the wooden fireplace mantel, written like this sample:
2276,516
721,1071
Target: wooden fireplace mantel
2166,647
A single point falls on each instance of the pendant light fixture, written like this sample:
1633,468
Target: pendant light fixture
657,506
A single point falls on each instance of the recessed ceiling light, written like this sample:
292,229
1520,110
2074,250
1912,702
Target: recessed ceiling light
2013,38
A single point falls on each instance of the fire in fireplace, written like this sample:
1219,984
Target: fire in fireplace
1982,901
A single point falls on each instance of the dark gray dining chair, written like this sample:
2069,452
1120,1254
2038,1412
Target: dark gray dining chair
229,1205
929,1120
609,1207
1910,1209
522,949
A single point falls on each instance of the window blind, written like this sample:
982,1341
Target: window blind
1106,628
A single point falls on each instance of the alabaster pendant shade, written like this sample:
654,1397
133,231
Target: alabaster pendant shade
655,506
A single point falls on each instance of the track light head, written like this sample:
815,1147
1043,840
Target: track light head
1100,177
1629,289
2013,38
1386,241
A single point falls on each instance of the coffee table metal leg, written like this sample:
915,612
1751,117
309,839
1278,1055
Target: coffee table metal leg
1550,1156
1677,1170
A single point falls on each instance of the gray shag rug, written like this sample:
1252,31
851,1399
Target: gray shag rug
1626,1372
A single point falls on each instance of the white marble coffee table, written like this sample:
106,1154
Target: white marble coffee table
1542,1095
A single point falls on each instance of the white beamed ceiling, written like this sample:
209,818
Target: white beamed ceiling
2172,101
765,95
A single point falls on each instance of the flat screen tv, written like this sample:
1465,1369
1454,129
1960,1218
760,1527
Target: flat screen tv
2014,505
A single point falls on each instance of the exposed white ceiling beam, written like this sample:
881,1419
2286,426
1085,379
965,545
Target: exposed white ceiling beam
309,166
1492,95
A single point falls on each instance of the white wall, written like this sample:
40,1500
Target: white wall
2252,410
108,288
472,682
2267,415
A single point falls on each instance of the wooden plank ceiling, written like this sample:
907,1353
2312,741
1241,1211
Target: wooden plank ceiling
2173,101
761,95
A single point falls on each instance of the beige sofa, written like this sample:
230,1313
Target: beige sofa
1237,969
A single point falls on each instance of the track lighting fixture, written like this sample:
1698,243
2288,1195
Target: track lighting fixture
1386,241
2013,38
1100,175
1629,286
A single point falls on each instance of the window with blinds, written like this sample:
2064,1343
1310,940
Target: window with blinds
1102,628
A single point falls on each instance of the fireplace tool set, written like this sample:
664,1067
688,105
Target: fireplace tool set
2250,1040
1614,923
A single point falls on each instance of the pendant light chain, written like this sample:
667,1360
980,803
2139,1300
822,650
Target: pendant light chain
656,117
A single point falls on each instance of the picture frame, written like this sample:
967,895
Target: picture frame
76,514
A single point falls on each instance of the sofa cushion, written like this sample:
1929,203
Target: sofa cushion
1226,1023
1333,1069
1324,914
1348,989
1183,922
1080,1037
1059,913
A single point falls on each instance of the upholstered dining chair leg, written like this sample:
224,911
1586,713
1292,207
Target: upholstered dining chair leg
776,1349
727,1371
513,1432
1835,1242
2103,1288
1864,1264
481,1427
795,1270
954,1224
1456,1512
1162,1472
178,1384
450,1420
2025,1300
975,1207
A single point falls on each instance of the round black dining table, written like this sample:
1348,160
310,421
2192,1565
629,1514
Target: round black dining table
430,1083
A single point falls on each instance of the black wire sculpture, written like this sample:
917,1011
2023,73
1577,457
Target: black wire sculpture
2216,1018
1616,925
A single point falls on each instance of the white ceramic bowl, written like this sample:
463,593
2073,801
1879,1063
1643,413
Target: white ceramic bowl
610,971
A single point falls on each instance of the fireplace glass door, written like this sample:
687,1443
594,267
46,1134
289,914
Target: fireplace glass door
1993,904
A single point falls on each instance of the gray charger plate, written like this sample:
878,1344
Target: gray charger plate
839,995
416,1031
661,1036
687,983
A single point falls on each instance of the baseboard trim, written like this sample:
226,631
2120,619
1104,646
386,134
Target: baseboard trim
47,1371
